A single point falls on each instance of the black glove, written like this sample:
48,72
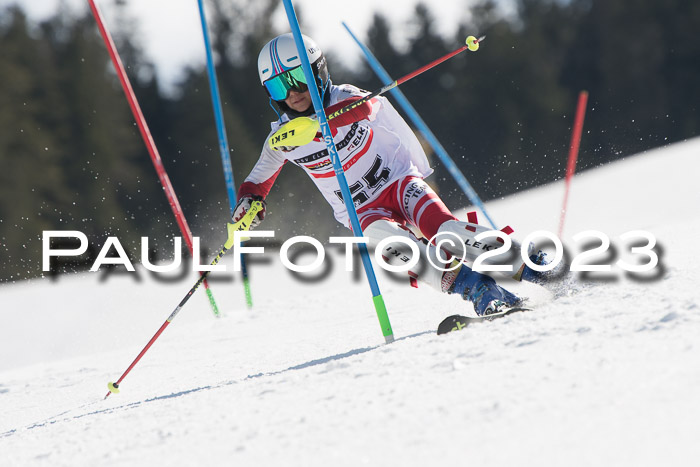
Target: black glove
243,206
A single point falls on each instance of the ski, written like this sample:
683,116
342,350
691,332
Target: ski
459,322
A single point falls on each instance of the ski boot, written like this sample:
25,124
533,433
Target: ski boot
537,277
555,277
487,296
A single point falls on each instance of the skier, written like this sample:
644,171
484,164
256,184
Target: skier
384,165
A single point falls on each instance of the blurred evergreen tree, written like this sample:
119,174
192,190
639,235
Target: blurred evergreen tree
73,155
73,158
31,180
640,63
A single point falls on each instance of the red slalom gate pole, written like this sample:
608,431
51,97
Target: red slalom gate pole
573,152
148,139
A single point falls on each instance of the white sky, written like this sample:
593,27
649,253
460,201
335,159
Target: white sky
173,37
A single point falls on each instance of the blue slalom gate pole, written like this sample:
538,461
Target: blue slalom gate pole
223,141
423,128
377,298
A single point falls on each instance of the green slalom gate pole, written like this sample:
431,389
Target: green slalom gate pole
377,298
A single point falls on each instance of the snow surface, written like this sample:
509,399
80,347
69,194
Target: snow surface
606,376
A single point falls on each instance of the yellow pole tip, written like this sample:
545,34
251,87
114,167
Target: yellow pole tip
472,43
113,387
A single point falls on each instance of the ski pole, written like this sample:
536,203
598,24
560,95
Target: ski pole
302,130
423,128
472,43
243,224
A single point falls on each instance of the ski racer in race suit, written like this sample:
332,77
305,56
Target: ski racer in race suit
384,165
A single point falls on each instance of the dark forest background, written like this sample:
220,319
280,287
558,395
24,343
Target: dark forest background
71,156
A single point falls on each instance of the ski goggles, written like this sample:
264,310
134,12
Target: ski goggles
278,87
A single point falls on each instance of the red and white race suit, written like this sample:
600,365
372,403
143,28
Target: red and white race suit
376,150
384,166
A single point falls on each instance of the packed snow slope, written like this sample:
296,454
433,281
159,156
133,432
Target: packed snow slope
607,375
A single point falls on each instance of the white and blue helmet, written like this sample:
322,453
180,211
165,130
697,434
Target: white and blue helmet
279,67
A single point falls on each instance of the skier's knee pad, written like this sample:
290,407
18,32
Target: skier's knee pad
399,252
394,252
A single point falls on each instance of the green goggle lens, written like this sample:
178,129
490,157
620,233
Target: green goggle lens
278,87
